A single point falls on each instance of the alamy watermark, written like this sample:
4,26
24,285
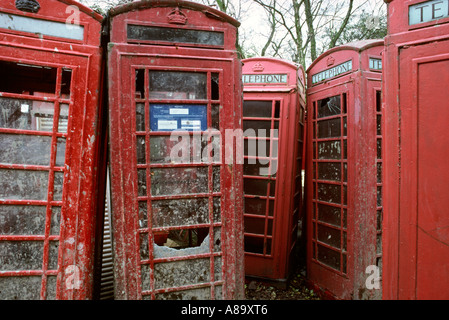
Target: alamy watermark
238,147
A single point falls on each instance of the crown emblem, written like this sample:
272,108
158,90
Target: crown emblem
176,16
28,5
258,67
330,61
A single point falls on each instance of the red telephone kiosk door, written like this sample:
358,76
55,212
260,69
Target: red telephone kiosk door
273,120
50,61
416,170
344,162
177,211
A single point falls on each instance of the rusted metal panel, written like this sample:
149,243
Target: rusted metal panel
344,141
174,92
273,120
415,170
49,97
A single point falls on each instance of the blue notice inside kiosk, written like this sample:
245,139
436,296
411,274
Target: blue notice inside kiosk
169,117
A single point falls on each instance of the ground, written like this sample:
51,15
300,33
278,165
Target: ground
296,290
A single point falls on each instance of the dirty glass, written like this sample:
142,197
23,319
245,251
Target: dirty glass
255,187
181,273
180,212
58,185
63,118
55,221
174,181
329,214
20,220
329,150
329,193
191,294
215,116
329,107
23,184
329,171
215,86
178,85
141,182
53,255
26,114
177,35
216,171
329,236
257,109
140,117
25,149
60,152
217,209
21,288
329,128
140,148
328,256
21,255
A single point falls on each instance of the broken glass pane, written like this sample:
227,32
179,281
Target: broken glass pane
329,107
26,79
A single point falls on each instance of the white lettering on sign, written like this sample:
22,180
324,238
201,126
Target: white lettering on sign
332,72
179,111
375,64
265,78
428,11
167,124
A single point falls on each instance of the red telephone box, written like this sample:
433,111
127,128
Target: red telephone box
174,92
273,120
50,70
416,234
344,140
